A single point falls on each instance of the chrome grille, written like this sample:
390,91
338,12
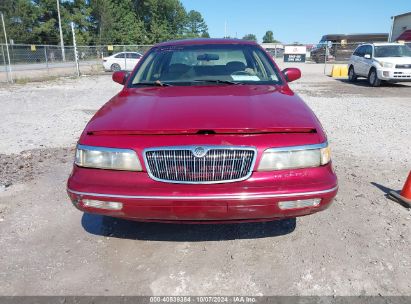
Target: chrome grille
213,164
403,66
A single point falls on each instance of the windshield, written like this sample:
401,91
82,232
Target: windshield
206,64
392,51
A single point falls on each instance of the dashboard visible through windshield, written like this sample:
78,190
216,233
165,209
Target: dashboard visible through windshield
206,64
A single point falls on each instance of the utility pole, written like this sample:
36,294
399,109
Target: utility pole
225,29
63,55
392,28
7,49
75,49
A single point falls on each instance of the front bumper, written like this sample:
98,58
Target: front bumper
106,66
394,75
254,199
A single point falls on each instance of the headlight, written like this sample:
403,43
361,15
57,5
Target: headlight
295,157
387,65
107,158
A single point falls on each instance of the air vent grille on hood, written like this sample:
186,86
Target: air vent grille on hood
193,132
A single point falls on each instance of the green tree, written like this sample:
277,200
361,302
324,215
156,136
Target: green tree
36,21
126,27
46,27
78,12
20,18
100,21
195,25
116,22
205,35
250,37
269,37
162,19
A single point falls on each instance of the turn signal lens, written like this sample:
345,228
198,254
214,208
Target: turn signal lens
102,204
299,204
325,155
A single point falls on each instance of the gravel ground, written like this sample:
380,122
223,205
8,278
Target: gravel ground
359,246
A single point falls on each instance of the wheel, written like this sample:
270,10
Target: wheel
318,60
373,79
115,67
352,77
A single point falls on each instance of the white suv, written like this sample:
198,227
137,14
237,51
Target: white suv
381,61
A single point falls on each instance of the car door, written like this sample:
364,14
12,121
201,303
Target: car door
120,59
354,59
367,59
358,60
132,60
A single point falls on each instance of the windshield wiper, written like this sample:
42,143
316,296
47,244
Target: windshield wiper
153,83
218,81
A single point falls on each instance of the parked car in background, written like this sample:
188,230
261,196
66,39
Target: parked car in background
339,47
203,131
276,53
124,61
381,62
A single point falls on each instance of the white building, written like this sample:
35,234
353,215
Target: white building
272,46
400,24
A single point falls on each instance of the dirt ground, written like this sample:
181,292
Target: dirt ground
359,246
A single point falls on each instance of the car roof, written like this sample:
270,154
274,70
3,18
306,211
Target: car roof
205,41
357,37
387,43
126,52
380,43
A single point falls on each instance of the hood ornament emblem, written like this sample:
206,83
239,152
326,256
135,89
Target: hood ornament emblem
199,152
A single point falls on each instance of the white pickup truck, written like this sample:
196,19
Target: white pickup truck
381,62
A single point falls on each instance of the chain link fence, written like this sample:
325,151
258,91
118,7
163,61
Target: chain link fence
35,62
334,52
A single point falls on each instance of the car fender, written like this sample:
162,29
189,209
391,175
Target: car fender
373,65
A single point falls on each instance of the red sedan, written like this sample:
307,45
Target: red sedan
204,131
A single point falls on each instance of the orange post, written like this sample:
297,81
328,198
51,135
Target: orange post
405,195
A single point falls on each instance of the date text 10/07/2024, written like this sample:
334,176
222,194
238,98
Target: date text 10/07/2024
205,299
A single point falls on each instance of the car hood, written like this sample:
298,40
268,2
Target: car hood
194,109
395,60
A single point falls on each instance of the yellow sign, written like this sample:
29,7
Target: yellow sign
110,48
33,48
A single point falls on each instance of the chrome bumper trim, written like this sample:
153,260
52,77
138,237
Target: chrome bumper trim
216,197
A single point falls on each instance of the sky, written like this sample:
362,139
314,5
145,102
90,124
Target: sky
304,21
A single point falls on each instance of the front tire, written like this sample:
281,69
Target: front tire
352,77
373,79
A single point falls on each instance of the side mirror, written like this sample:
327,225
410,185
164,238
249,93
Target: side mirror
291,74
120,77
367,56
